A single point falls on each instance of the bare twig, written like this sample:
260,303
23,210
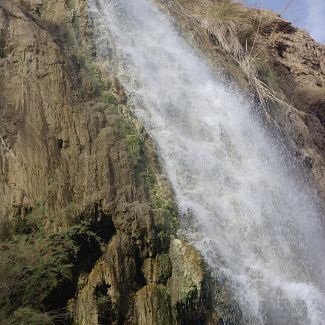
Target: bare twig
228,39
5,146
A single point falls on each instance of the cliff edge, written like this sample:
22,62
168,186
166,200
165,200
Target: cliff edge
88,219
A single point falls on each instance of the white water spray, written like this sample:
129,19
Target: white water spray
255,224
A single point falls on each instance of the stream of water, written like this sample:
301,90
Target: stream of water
252,218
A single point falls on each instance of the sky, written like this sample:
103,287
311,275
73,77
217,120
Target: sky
306,14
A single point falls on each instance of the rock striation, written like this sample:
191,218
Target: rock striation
70,145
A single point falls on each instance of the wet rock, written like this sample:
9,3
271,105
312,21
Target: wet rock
153,306
187,281
157,269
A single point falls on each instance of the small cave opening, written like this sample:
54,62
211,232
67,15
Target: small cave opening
89,253
190,314
89,238
60,143
139,278
2,44
100,222
105,309
100,229
101,289
58,299
104,227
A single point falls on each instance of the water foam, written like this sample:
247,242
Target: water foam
255,223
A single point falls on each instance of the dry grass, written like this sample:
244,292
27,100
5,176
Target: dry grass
5,146
238,31
224,19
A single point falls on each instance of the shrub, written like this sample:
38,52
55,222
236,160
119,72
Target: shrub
38,269
29,316
109,98
31,268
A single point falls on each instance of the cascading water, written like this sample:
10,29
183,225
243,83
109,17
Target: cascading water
254,222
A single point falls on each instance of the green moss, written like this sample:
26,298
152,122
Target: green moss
28,221
266,73
109,98
29,316
131,134
98,79
164,268
134,145
164,237
71,210
157,194
161,201
127,124
161,300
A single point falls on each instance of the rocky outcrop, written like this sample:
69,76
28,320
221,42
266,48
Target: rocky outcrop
70,145
299,65
169,288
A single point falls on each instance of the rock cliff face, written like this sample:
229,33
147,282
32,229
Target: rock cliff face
70,147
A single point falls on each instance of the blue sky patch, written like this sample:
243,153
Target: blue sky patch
306,14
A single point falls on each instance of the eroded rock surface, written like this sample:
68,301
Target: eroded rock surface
69,144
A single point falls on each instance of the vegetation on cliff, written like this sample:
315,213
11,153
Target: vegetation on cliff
39,269
266,56
88,219
84,204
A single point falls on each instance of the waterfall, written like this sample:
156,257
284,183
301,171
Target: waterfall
252,217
